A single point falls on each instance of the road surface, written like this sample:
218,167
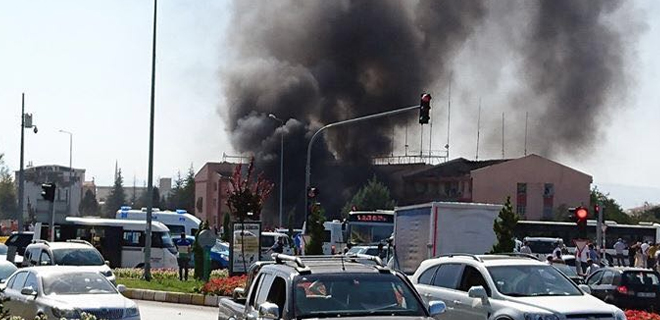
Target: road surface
153,310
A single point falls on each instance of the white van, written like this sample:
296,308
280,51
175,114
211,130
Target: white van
177,221
268,239
121,242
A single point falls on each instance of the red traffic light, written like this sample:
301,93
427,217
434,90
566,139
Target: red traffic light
581,213
426,98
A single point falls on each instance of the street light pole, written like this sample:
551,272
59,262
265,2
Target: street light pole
150,173
70,169
308,169
272,116
21,174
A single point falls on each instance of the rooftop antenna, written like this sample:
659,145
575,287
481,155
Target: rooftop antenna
478,129
430,134
451,75
502,135
526,118
405,147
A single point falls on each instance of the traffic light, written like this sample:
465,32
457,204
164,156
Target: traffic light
580,215
424,108
312,192
48,191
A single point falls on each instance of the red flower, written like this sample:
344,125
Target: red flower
225,286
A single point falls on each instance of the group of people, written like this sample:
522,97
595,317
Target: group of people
587,260
640,255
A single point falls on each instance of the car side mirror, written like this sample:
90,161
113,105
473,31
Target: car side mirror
585,288
478,292
28,291
268,310
437,307
121,288
107,263
238,293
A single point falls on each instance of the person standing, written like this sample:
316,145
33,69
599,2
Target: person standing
556,253
645,253
184,246
593,266
525,248
593,255
619,246
278,246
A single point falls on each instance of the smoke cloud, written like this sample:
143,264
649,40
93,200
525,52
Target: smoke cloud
314,62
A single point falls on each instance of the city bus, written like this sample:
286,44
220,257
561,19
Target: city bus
369,227
177,221
121,242
567,231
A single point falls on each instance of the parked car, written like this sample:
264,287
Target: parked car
372,251
6,269
220,255
327,287
628,288
67,253
570,272
19,240
65,292
512,287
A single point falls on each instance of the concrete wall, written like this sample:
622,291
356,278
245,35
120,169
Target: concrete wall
494,183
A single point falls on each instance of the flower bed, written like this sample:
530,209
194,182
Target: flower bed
224,286
162,274
641,315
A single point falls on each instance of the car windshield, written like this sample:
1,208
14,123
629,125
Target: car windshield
77,257
77,283
567,270
541,246
167,239
346,294
532,280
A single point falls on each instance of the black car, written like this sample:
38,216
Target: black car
627,288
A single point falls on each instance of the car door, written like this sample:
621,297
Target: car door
30,306
443,287
259,296
472,308
16,302
593,283
606,284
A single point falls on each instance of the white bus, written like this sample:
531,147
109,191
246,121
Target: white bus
177,221
121,242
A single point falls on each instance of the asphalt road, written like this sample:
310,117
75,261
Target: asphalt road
153,310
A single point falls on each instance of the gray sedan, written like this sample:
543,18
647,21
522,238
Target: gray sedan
65,292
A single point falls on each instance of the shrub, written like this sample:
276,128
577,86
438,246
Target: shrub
161,274
641,315
223,286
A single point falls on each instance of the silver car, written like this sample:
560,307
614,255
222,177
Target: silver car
65,292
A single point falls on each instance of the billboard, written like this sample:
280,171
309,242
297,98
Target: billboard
245,246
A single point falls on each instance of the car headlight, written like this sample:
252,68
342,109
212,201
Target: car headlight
132,312
66,313
541,316
619,315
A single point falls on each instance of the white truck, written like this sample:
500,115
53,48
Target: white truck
432,229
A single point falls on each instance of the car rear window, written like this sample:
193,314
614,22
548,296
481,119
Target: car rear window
77,257
641,277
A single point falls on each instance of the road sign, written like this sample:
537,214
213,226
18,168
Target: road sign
580,244
604,227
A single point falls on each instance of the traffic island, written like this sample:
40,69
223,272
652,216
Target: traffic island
173,297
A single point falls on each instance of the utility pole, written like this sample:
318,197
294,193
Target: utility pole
281,186
21,171
308,169
150,174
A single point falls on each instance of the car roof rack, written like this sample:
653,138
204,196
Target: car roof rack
518,254
451,255
350,257
300,266
40,241
80,241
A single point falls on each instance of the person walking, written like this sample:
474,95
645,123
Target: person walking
639,257
525,248
619,246
593,255
645,253
184,246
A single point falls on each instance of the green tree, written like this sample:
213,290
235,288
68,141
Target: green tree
561,213
142,200
187,197
611,209
246,197
315,230
117,197
8,198
504,225
89,206
372,196
226,228
198,251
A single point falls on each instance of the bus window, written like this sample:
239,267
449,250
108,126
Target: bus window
133,239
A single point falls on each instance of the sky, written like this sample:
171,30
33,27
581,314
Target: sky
85,67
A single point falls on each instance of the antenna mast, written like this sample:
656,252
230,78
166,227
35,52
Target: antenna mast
526,118
449,113
478,129
502,135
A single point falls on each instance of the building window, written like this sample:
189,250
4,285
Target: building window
215,186
215,203
521,199
548,200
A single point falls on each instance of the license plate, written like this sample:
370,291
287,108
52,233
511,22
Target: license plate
646,294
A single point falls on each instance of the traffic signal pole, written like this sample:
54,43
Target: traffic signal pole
337,124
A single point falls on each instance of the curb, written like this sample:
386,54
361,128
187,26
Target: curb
173,297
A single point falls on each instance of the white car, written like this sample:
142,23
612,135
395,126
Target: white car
507,287
55,292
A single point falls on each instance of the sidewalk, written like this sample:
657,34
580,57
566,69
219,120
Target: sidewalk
172,297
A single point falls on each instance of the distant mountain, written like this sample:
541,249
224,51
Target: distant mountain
630,197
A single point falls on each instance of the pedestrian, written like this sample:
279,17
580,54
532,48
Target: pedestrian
557,251
645,253
593,255
632,251
184,246
549,259
619,246
525,248
278,246
639,257
592,267
582,256
653,249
